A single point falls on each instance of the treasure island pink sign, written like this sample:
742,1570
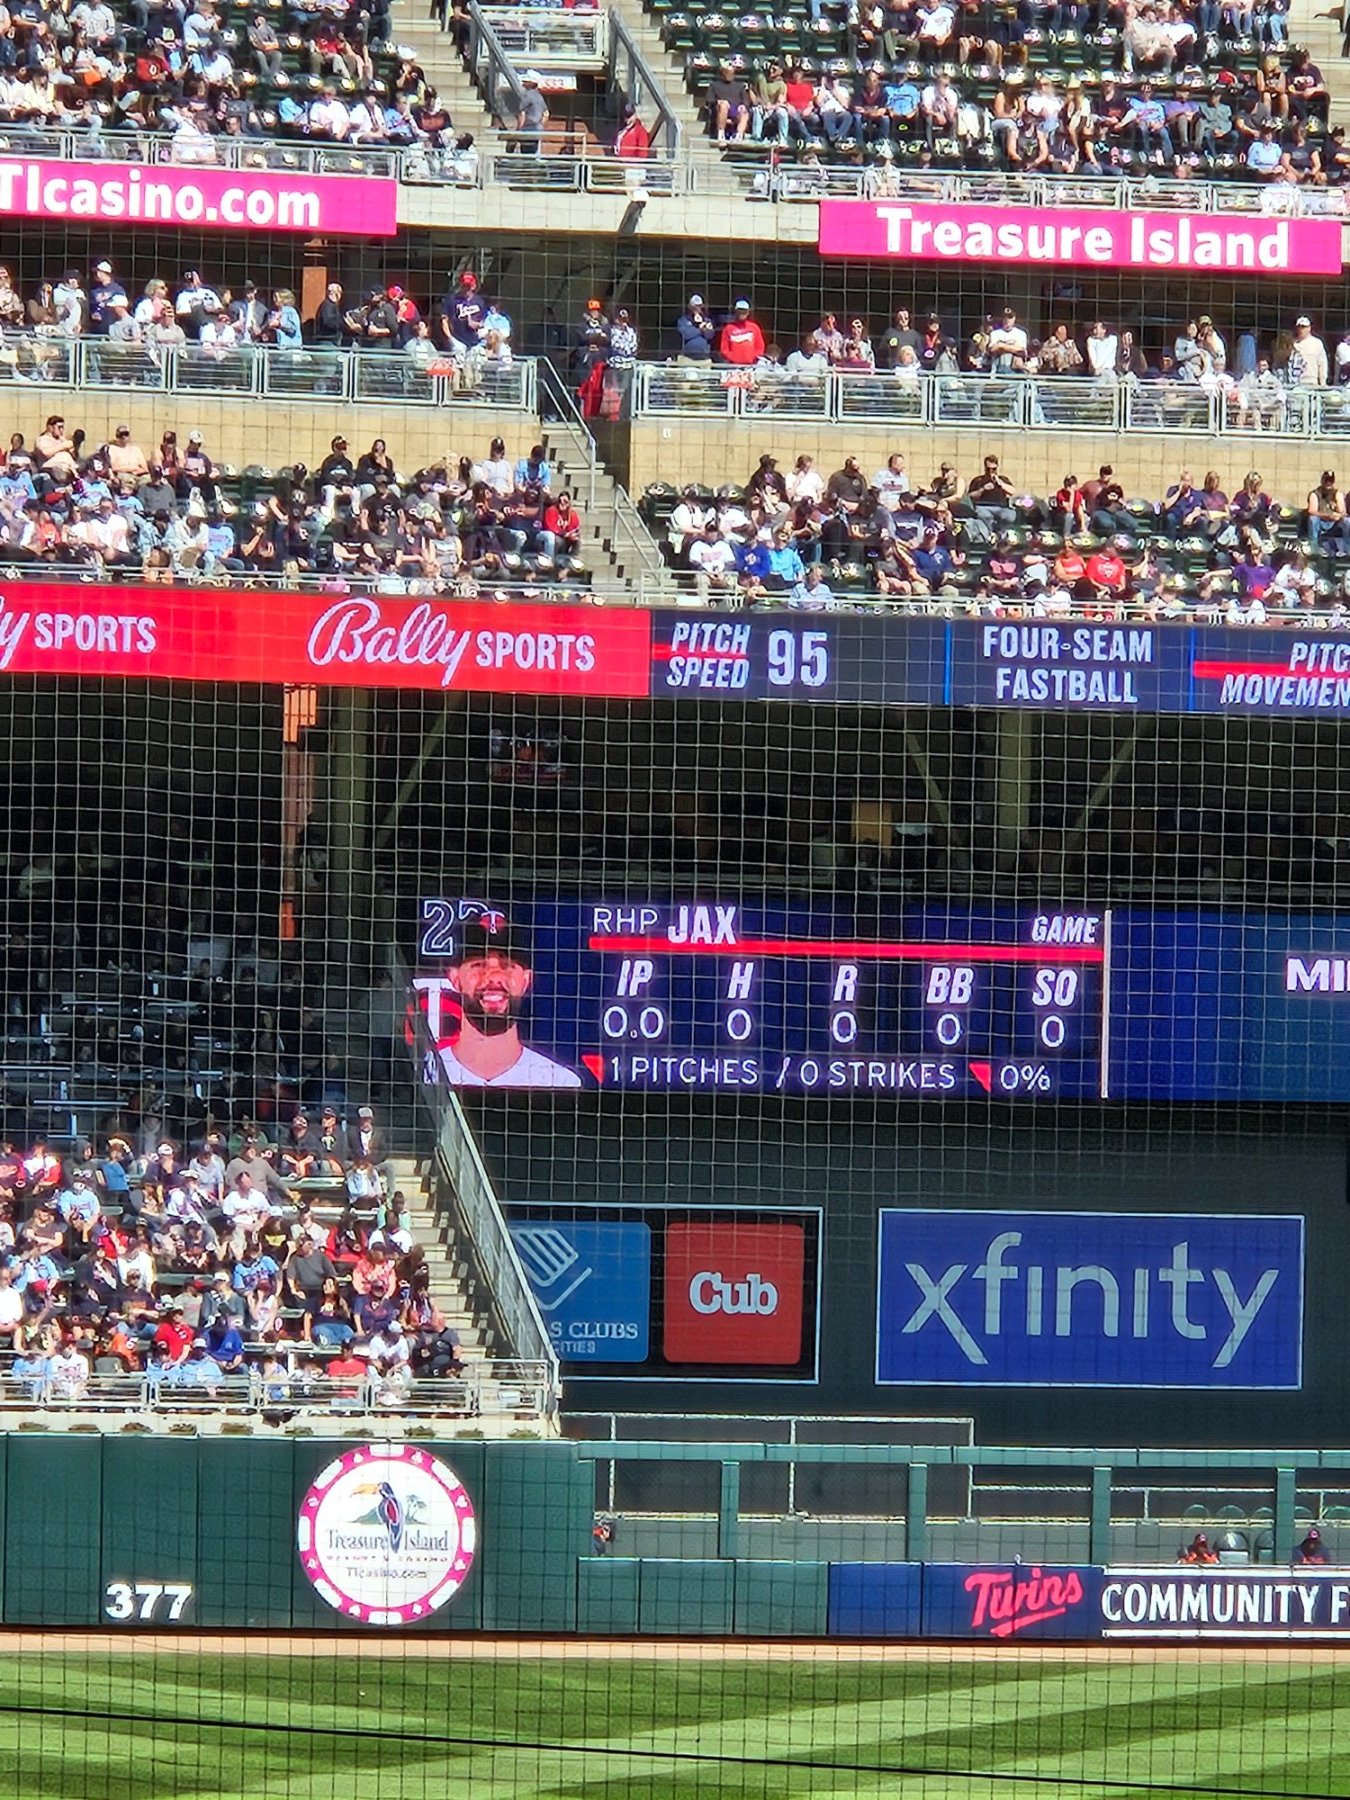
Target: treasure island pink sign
1080,237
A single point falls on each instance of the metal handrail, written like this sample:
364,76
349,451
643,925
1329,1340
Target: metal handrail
753,171
321,374
479,1222
627,529
632,75
1060,403
491,67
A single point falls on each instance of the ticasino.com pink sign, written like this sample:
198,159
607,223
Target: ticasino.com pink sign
1080,237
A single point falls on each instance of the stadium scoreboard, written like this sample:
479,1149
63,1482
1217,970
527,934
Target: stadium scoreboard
698,995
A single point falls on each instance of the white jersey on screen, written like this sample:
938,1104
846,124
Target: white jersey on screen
529,1070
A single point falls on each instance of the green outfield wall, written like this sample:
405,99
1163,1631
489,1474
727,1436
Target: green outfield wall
286,1533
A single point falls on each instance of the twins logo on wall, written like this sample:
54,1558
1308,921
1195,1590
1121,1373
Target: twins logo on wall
387,1534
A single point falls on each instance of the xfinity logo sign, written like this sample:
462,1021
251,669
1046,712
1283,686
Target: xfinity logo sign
1090,1300
710,1292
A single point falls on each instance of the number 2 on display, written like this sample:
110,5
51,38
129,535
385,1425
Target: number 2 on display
146,1601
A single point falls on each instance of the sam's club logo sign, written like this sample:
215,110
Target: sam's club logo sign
387,1534
1070,1299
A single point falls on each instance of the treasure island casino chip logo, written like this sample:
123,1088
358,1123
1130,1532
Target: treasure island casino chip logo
387,1534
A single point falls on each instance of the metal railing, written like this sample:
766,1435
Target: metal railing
513,1389
782,180
676,168
551,37
1065,403
320,374
462,1181
492,70
282,156
615,514
631,76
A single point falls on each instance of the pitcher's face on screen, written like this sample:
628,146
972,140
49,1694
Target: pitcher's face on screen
491,986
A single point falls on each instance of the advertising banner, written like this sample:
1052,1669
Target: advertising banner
98,193
733,1294
526,647
250,635
592,1279
1079,237
1223,1603
1010,1600
1072,1299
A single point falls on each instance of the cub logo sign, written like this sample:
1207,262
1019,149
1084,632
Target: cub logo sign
733,1293
387,1534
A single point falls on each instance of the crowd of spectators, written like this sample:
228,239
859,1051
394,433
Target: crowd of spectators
1252,371
464,335
1058,87
293,1263
978,545
172,512
322,71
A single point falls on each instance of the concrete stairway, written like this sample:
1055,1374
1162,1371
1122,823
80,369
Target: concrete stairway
669,73
1317,27
449,1284
418,26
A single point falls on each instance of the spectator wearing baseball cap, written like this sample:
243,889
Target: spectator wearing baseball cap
740,341
531,117
696,332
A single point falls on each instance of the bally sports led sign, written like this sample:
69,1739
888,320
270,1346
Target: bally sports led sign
1079,237
387,1534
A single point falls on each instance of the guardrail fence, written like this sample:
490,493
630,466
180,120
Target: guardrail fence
989,402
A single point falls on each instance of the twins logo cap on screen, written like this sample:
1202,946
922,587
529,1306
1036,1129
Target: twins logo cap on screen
733,1293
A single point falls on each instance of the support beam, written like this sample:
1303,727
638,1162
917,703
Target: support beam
729,1511
431,742
1014,778
350,877
916,1514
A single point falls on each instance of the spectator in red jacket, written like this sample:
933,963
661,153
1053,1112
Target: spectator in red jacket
740,340
632,141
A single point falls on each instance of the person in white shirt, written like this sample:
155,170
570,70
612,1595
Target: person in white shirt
713,561
1007,345
1307,365
219,333
805,482
68,1373
936,23
688,521
490,977
11,1308
1102,347
497,469
329,117
892,481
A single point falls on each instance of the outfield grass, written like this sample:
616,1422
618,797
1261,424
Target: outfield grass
77,1726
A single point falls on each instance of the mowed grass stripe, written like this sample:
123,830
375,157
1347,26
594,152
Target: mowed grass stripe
1205,1724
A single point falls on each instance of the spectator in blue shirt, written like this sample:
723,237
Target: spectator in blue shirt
933,560
253,1266
902,101
16,484
812,592
696,331
784,566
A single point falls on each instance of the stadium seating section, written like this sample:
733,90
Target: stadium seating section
1066,88
946,544
69,508
279,69
200,1268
